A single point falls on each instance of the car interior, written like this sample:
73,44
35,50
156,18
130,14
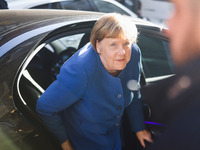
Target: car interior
60,45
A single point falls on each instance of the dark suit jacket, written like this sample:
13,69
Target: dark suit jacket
178,106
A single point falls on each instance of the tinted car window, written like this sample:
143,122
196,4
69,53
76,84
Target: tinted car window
45,65
48,6
106,7
77,5
68,5
155,56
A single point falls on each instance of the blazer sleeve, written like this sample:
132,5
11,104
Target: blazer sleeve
135,109
61,94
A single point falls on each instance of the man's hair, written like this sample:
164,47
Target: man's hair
113,25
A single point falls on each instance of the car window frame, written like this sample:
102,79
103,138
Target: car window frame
157,33
19,102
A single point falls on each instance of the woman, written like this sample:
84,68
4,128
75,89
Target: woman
84,106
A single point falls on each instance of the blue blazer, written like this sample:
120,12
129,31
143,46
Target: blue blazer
86,103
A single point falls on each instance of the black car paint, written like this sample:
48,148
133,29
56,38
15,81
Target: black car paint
20,127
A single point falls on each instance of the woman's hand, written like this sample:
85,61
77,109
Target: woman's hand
144,135
67,145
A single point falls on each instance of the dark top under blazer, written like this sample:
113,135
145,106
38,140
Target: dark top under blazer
86,103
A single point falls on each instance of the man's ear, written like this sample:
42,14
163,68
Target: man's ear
98,46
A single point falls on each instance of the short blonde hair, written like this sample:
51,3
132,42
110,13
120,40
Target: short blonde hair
113,25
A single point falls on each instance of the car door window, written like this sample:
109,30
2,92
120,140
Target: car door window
107,7
68,5
77,5
55,5
45,65
156,58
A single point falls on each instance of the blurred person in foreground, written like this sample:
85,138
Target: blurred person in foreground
84,106
179,97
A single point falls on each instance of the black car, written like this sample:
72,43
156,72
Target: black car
33,46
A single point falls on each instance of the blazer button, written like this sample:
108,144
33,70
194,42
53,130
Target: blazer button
118,116
117,124
120,107
119,95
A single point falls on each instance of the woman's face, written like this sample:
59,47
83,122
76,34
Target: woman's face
114,53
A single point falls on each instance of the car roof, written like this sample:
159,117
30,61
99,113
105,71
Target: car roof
10,19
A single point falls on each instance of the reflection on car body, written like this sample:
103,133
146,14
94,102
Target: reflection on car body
105,6
33,46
